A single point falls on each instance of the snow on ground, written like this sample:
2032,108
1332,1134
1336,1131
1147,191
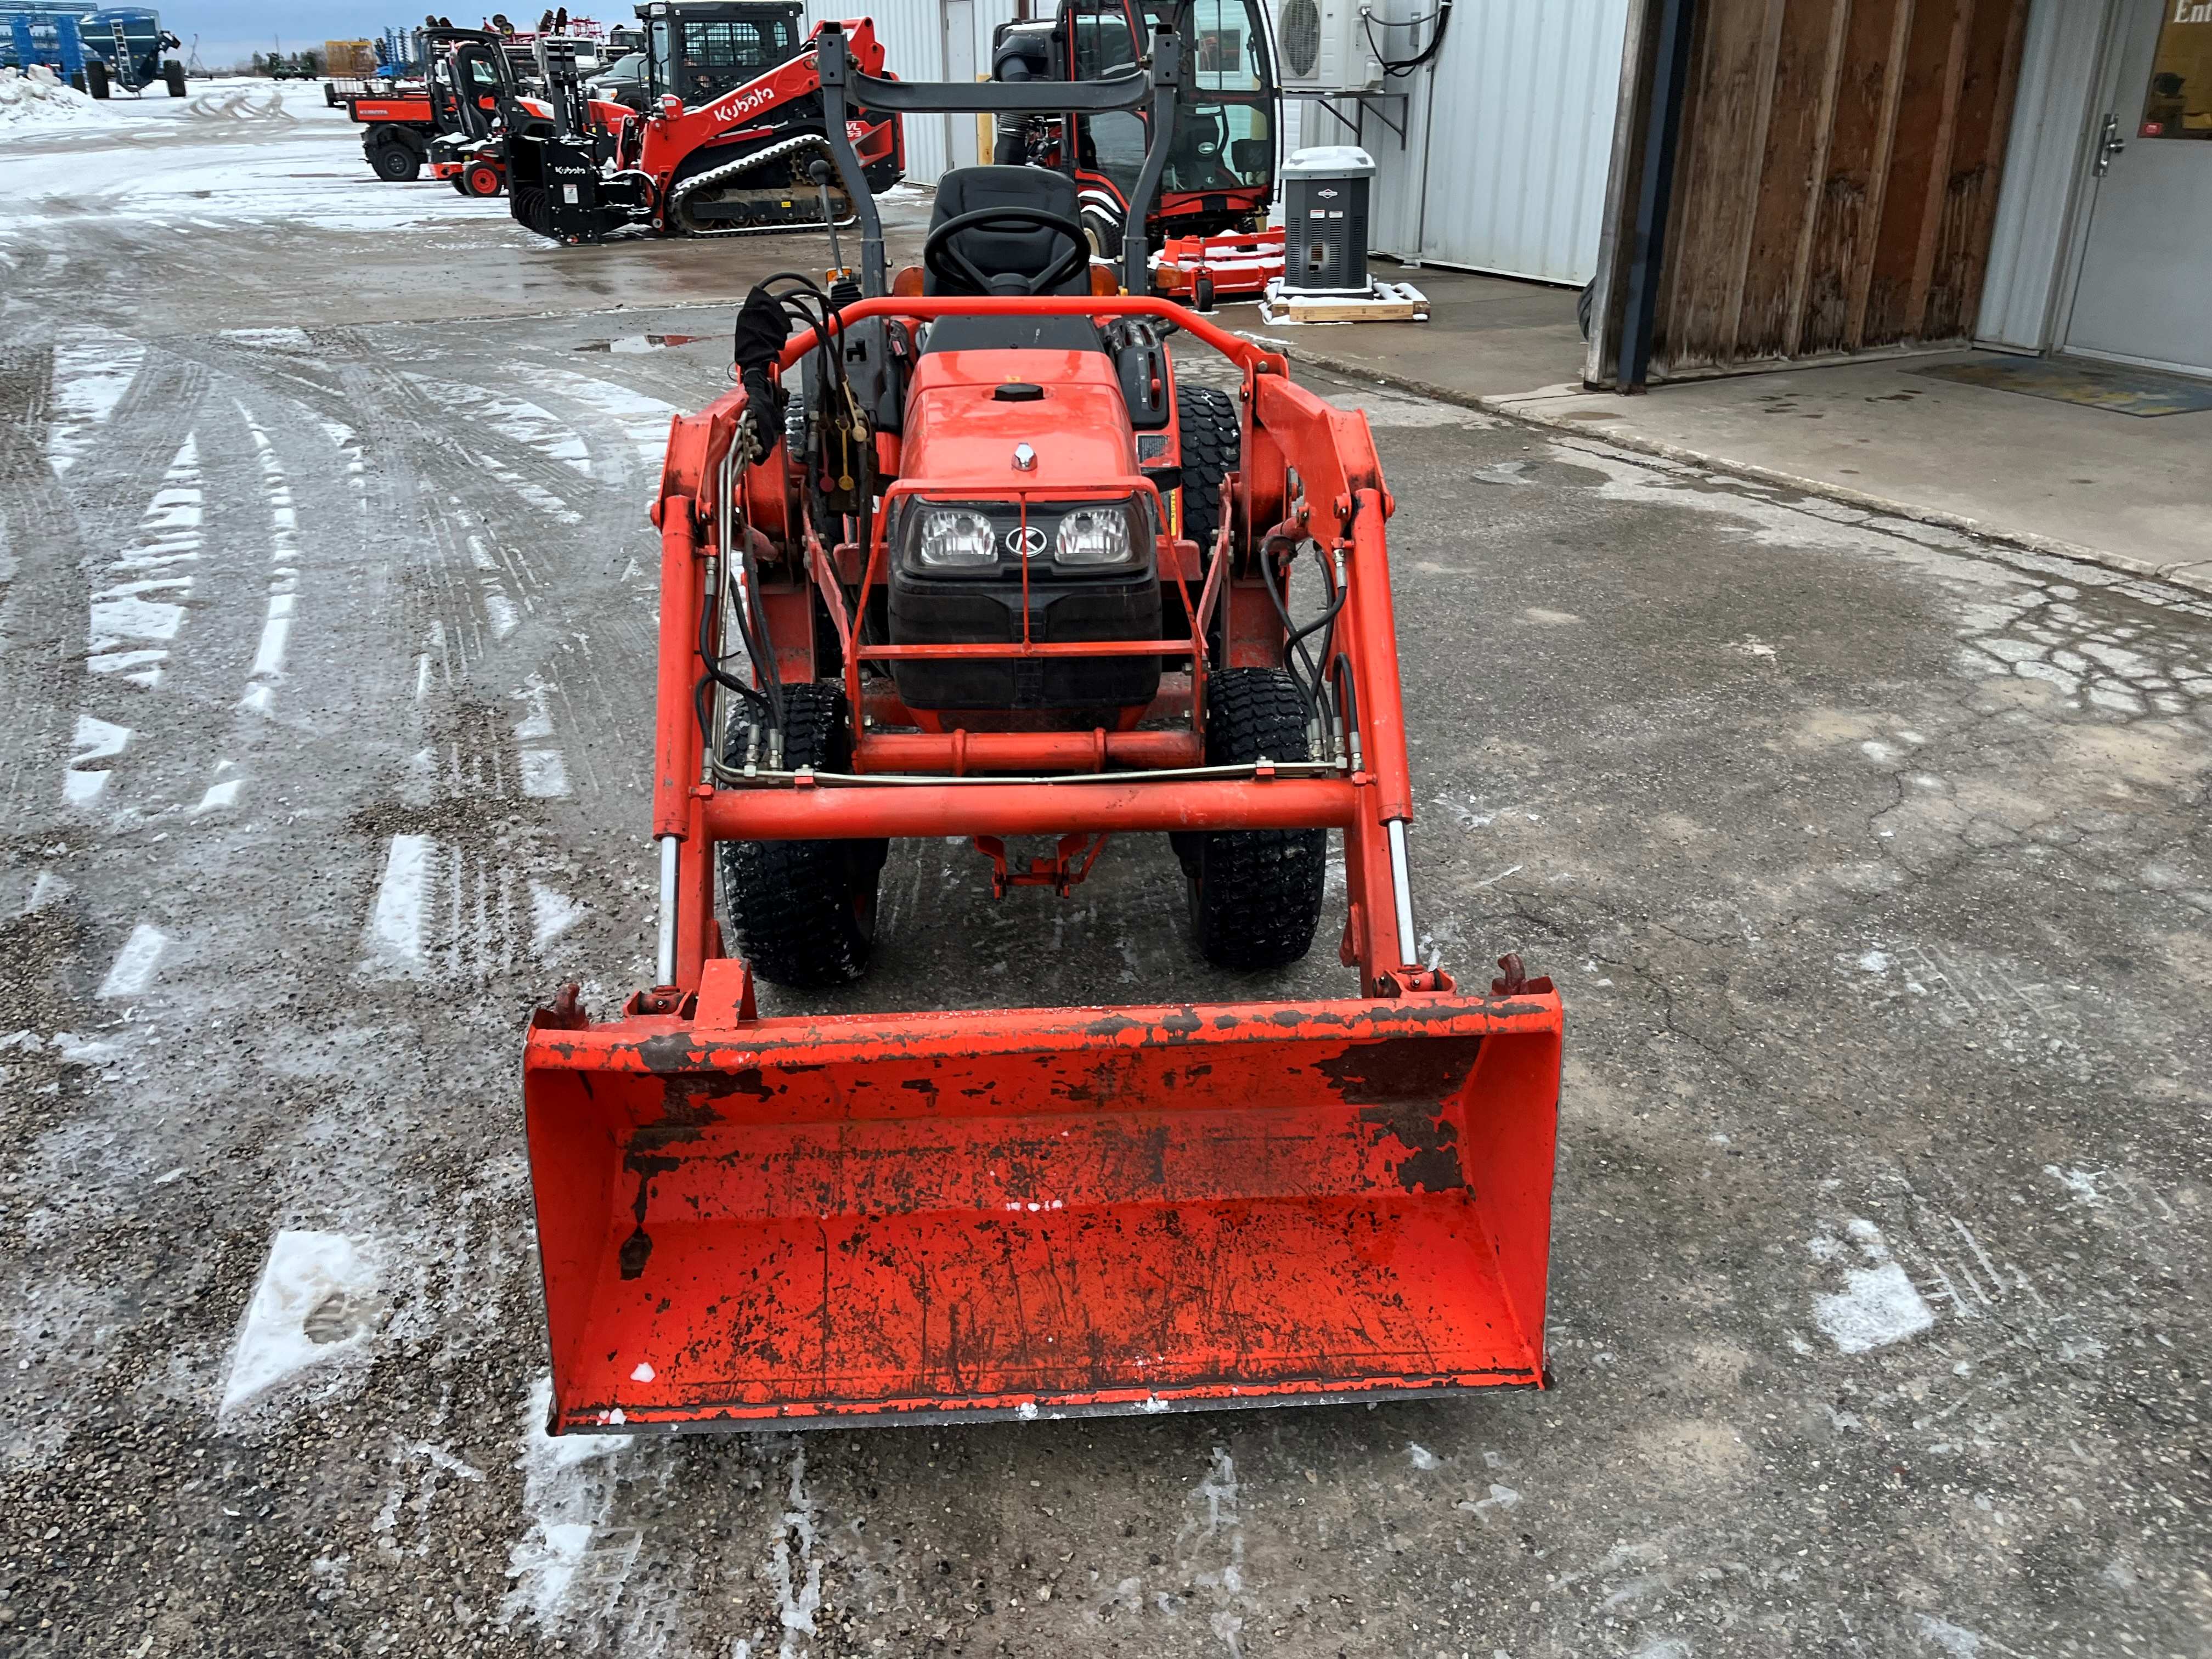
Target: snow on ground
236,150
40,101
315,1300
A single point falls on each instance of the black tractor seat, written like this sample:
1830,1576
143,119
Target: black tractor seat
1023,255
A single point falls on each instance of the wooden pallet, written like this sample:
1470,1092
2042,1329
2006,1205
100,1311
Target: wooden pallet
1384,302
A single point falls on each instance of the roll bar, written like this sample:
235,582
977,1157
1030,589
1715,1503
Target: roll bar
844,88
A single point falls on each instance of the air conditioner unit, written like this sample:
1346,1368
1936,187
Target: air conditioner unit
1326,45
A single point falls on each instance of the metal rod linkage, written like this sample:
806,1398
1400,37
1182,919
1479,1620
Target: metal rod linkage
1402,887
663,960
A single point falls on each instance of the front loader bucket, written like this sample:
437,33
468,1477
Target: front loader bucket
1040,1211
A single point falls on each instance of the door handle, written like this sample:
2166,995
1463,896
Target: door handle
2109,144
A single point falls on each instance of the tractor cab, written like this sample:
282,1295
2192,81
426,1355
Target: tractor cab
1220,173
697,50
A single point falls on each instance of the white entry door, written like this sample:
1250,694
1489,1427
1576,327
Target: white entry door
960,65
2140,297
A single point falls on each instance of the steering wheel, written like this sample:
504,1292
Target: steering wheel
957,273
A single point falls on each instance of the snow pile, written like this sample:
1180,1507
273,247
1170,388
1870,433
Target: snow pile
40,100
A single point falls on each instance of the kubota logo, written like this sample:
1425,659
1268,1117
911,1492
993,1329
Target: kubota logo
1027,541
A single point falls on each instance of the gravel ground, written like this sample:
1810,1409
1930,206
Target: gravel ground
1873,865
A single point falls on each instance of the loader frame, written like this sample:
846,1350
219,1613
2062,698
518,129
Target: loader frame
795,1220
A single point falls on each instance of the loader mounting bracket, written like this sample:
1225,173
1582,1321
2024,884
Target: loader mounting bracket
1070,863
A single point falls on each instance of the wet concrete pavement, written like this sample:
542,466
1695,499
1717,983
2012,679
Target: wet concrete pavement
1872,863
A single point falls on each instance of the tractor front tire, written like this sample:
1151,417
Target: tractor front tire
173,76
803,912
482,179
1255,895
394,163
1213,436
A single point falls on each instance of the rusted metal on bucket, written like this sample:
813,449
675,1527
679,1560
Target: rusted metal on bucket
1040,1211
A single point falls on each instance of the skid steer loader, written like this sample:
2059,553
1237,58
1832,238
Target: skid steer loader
737,164
920,577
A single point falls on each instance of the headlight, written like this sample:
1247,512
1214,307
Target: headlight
1095,535
956,538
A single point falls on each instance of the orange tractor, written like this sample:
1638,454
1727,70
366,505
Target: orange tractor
933,569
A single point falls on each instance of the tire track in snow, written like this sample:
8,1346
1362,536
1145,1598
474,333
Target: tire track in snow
93,369
140,434
642,418
42,597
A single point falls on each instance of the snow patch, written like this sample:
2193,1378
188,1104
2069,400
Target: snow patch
797,1580
544,773
132,970
567,1488
41,100
1878,1304
395,924
1955,1639
551,915
316,1299
93,369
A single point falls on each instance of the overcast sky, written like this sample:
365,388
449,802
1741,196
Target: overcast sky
231,29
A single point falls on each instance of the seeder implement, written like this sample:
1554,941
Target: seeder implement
941,595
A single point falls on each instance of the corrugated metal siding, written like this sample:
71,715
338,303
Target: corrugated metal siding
913,33
1512,127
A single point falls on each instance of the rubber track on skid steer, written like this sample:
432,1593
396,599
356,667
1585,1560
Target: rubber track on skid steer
739,169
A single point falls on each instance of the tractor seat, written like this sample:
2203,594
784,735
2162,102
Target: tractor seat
1019,253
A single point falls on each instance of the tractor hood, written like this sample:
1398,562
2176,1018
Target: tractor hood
968,413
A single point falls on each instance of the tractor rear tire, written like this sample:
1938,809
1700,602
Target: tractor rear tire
173,76
1213,436
803,913
395,163
1255,895
95,77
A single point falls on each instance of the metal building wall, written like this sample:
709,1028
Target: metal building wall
913,33
1509,135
